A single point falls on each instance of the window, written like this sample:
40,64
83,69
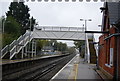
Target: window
111,57
109,54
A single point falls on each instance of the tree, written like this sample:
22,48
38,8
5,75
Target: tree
62,46
0,32
81,46
78,44
71,50
12,26
41,43
56,45
33,22
11,30
59,46
20,12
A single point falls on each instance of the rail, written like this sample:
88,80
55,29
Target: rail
12,44
4,51
31,67
53,28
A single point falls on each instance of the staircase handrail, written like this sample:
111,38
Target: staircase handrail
4,50
12,44
9,47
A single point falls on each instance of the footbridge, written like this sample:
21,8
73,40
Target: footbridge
20,46
59,33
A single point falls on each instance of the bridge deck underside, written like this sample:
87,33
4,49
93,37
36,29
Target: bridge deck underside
59,35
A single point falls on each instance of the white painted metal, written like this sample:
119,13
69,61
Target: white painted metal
48,32
88,50
32,47
64,33
35,48
59,33
4,51
19,44
22,53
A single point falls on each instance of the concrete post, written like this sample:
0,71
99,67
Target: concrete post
22,52
26,50
35,48
32,46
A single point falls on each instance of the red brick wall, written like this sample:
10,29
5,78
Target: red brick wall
118,42
104,51
101,57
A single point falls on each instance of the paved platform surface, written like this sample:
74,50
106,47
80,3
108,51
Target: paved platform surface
77,70
7,61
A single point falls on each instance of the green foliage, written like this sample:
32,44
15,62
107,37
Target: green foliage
12,26
17,22
33,22
55,45
59,46
20,12
7,39
71,50
62,46
80,45
11,30
0,25
41,43
1,41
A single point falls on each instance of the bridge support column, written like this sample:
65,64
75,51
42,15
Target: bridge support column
88,50
35,48
22,52
32,47
26,51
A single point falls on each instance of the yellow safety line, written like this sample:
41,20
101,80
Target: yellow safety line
76,72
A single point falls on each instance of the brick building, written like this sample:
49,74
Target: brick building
109,41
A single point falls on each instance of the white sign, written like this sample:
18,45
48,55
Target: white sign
111,56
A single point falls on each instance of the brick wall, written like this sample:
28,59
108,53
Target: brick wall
118,42
104,52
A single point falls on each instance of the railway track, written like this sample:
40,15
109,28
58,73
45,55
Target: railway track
45,69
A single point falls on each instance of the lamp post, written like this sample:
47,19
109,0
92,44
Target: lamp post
3,23
87,56
29,38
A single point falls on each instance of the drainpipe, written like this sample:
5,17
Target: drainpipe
117,69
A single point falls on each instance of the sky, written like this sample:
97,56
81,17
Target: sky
67,14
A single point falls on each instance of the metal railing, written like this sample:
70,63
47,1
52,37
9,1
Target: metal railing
4,51
12,44
13,52
53,28
16,45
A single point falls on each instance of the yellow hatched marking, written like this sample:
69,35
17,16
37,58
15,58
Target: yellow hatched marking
76,72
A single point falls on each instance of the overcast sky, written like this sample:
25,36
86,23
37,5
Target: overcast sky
64,13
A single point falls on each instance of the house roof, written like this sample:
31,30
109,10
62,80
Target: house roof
114,12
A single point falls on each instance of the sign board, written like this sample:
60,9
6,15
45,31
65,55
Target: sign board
111,56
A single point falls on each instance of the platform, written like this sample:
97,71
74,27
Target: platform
7,61
77,69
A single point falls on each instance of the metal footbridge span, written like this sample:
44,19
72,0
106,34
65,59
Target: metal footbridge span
59,33
20,46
